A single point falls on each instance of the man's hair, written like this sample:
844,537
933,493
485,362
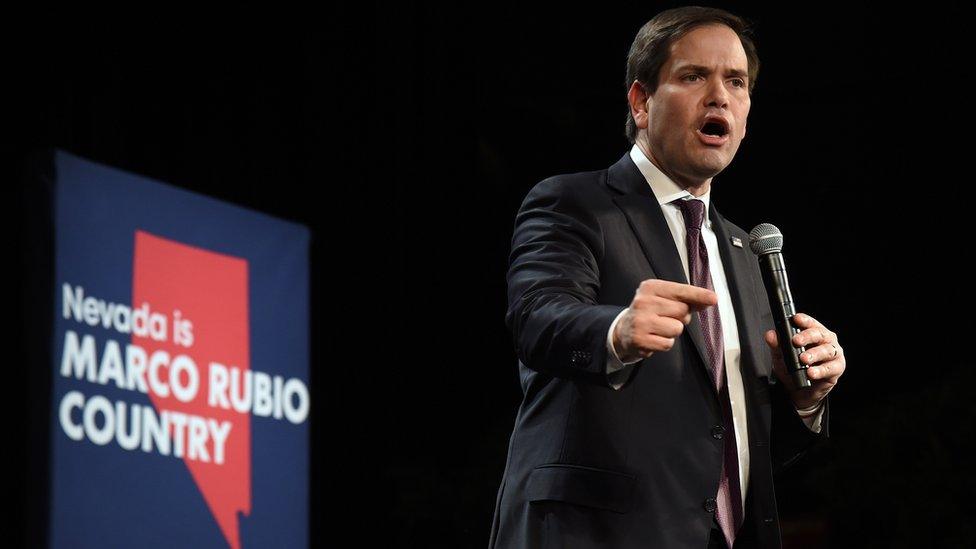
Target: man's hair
652,47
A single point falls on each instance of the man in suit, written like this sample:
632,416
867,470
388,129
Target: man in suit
652,415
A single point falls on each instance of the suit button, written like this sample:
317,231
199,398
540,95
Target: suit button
710,505
718,431
580,357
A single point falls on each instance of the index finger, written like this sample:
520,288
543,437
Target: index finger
803,320
696,298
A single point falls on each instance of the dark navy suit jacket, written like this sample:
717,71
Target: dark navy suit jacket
590,466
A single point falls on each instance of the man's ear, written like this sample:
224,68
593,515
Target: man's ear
637,97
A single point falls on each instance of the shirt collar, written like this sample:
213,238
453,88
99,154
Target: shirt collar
664,189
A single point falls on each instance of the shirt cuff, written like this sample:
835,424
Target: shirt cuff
812,416
618,372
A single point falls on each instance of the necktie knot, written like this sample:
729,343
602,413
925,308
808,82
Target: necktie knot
693,211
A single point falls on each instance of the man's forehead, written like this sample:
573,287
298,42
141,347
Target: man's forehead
713,47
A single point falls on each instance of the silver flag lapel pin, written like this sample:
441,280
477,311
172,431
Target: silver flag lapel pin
737,242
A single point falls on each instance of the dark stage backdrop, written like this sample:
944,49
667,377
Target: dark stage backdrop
406,136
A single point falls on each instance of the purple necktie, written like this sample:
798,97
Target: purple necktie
728,508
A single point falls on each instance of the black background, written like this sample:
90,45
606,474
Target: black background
405,136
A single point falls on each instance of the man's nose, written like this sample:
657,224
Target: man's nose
716,94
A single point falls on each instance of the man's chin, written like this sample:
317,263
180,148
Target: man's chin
708,170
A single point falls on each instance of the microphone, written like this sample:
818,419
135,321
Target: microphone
767,242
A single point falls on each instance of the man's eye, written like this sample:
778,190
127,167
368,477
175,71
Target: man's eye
692,76
739,82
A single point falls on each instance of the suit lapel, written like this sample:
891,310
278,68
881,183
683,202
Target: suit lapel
646,219
735,261
751,338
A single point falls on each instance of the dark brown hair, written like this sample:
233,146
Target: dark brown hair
652,46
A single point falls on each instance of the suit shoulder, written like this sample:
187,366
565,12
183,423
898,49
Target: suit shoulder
569,186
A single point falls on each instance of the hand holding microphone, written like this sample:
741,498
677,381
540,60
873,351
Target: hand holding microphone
814,353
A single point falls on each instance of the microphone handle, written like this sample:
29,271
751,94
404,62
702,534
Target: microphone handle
781,304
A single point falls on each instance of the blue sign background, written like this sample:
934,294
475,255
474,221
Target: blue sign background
105,496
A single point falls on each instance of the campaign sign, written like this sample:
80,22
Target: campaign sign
180,409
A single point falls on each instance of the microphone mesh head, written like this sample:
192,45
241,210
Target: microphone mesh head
765,238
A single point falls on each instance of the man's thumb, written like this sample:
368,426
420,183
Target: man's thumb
771,339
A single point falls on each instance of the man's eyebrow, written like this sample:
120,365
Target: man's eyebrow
706,70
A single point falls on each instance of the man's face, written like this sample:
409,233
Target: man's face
704,80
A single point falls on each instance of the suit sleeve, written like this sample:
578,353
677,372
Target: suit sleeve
553,282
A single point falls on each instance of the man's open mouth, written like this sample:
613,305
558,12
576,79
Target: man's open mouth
715,126
714,131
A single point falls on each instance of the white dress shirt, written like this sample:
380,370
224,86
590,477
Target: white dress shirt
667,191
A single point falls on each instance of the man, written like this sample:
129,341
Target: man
652,416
